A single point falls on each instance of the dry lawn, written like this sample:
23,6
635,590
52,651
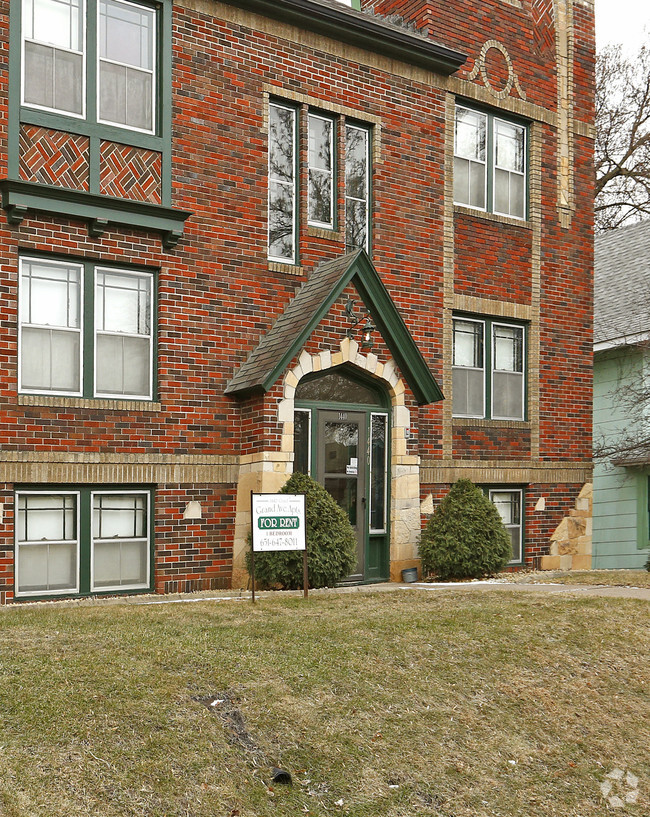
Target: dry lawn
609,578
380,704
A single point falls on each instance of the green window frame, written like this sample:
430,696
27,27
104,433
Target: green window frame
490,162
85,59
323,165
74,541
86,329
509,502
488,368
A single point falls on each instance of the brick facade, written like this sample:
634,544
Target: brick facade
217,295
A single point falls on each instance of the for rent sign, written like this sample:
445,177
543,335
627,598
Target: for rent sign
278,522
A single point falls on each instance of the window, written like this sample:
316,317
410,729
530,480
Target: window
509,503
82,541
489,163
323,166
488,379
85,330
111,79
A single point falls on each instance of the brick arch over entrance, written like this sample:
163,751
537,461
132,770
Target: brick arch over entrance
404,469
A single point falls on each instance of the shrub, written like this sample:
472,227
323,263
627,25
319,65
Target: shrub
331,543
465,537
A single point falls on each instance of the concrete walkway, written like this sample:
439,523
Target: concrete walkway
609,591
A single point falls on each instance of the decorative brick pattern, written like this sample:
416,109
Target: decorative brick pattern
54,157
130,173
544,27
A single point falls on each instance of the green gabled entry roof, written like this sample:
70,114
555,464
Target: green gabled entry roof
286,338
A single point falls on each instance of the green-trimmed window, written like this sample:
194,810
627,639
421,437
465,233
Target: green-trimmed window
509,503
92,59
85,330
324,164
488,369
490,163
84,540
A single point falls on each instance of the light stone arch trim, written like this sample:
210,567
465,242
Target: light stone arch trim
404,467
481,67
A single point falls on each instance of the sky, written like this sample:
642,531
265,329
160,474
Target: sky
623,21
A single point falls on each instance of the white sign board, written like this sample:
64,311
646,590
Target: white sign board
278,522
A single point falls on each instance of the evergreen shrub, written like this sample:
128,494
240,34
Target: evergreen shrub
331,543
465,537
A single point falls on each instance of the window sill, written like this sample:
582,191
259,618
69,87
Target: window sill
99,211
464,210
288,269
476,422
325,232
88,402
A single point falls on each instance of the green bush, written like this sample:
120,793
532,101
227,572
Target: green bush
331,543
465,537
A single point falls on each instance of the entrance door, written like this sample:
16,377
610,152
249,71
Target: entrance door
341,468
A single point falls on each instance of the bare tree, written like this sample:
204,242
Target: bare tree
622,138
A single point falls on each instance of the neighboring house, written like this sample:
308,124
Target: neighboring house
622,397
202,200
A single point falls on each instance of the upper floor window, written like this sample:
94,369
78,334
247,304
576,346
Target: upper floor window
85,330
488,377
109,78
323,167
489,163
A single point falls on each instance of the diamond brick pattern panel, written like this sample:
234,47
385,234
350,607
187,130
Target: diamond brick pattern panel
54,157
130,173
544,32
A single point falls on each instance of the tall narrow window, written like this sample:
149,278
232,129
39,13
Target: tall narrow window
357,193
468,369
507,372
50,327
509,505
282,183
378,468
321,171
123,333
301,441
47,543
470,148
509,161
53,55
120,541
126,64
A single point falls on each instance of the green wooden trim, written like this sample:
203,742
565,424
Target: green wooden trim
164,107
363,31
390,324
19,196
13,130
94,160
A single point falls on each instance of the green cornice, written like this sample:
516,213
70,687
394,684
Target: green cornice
99,211
360,29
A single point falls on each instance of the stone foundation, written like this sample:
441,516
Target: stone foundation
571,541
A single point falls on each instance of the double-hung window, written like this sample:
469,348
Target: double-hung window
109,77
323,164
82,541
85,330
489,163
488,369
509,504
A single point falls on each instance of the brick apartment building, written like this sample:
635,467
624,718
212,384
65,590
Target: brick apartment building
246,237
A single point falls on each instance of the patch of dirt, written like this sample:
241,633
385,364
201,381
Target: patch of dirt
224,704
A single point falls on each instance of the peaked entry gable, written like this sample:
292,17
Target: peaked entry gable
268,361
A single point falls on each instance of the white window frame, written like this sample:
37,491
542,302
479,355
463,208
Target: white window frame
366,131
325,225
494,324
83,52
482,369
294,187
18,547
119,587
134,274
490,162
153,71
23,324
512,526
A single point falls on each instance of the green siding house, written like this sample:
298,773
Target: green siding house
621,398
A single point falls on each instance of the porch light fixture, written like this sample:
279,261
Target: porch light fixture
355,319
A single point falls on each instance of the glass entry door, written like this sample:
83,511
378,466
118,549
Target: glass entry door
341,467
